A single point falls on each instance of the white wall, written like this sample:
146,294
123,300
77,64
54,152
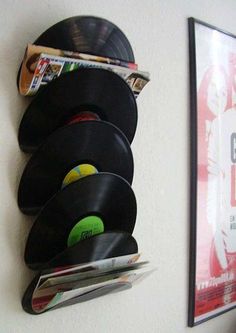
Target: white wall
157,31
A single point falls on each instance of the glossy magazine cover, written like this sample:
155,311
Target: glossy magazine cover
41,65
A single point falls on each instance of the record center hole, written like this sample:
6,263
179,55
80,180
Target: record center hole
82,116
85,228
80,171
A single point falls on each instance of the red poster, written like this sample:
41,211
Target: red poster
213,160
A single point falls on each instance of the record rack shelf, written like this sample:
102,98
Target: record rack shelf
78,128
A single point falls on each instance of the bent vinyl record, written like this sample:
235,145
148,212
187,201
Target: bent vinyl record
98,144
88,207
99,93
88,34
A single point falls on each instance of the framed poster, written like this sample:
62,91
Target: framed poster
213,172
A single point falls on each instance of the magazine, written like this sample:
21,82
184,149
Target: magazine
62,284
38,69
62,275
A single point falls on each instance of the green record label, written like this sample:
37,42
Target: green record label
85,228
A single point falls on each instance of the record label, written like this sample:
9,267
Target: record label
83,115
85,228
78,172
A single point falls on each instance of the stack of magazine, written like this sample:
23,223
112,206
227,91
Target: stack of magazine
43,64
56,286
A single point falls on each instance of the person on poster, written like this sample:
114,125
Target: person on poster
220,134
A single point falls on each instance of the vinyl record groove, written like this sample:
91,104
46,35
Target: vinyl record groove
97,91
102,246
104,195
88,34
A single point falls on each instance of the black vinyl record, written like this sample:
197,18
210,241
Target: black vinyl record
88,34
97,143
106,245
98,292
103,246
93,90
106,196
55,253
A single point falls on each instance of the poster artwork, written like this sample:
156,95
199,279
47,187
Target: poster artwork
215,232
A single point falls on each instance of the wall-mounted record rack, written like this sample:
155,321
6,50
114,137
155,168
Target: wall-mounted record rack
77,183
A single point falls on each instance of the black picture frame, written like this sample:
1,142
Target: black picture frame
196,69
